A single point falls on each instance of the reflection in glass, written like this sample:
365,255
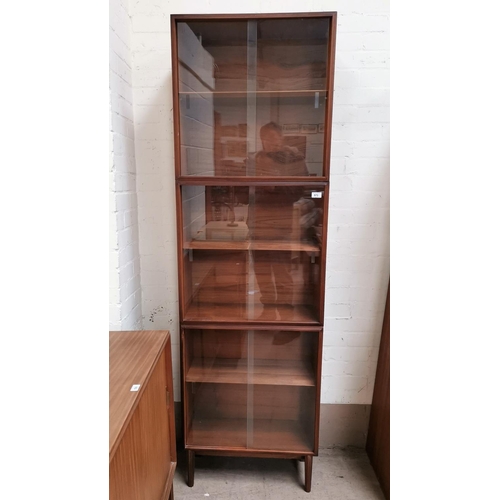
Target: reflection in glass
251,389
236,78
252,253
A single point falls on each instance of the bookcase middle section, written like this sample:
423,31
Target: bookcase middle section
252,253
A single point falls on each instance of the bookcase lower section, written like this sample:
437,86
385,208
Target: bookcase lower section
251,393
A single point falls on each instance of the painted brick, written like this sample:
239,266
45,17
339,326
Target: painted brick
120,86
337,166
129,305
340,183
351,262
149,182
338,310
147,77
369,216
349,41
344,113
113,236
146,114
150,293
368,59
133,320
354,6
150,59
114,295
370,114
121,106
376,183
378,165
123,145
344,389
341,148
124,164
350,368
128,255
371,149
125,299
374,78
129,218
114,281
349,353
151,41
124,182
130,286
339,278
122,126
150,132
363,23
360,131
346,79
119,22
114,313
151,23
119,47
352,232
149,96
362,97
340,216
373,323
376,41
120,67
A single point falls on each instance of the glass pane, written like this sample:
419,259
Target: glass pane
251,389
281,390
216,387
252,253
292,53
252,97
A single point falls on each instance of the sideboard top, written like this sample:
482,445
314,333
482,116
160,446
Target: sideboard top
132,357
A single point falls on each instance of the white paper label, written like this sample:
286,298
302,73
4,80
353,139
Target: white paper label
316,194
135,388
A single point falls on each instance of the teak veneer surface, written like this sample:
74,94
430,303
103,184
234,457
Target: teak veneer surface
234,313
264,435
264,372
132,356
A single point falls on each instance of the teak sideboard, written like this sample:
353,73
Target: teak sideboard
252,111
142,453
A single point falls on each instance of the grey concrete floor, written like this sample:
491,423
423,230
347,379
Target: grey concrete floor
338,473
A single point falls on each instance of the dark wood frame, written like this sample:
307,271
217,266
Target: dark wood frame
319,181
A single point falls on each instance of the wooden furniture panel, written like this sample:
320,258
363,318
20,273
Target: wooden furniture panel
378,440
142,433
252,105
264,372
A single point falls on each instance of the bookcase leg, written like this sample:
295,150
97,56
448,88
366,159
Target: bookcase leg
171,496
190,472
308,472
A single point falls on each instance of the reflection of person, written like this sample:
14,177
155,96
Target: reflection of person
273,221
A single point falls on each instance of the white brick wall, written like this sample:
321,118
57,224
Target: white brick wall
358,241
125,303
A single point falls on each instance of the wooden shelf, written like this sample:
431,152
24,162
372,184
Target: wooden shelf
259,93
252,245
266,435
236,313
264,372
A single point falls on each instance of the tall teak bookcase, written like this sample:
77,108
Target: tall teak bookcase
252,128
